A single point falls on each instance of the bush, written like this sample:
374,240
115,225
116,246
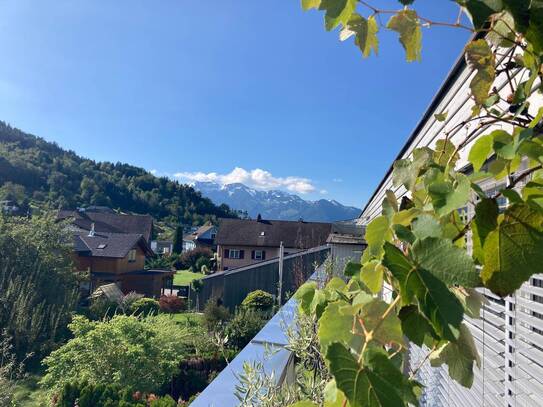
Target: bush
102,308
125,304
258,300
171,304
145,306
189,258
108,395
151,351
244,327
201,263
215,315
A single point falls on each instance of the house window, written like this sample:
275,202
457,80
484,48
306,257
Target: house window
213,235
233,254
259,255
132,256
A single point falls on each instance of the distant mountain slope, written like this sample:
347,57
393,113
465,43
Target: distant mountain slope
275,204
35,171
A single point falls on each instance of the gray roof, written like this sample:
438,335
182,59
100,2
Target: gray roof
270,233
111,222
103,244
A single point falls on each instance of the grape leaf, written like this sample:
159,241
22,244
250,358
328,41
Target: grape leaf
480,151
441,117
447,196
406,23
426,226
514,251
389,330
444,153
372,276
361,385
365,31
335,326
479,56
459,356
438,304
447,262
304,295
352,269
481,10
504,144
309,4
534,33
414,325
485,221
337,12
376,233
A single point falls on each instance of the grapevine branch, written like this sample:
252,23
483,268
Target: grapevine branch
428,21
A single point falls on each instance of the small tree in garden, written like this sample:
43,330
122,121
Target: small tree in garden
189,258
258,300
140,353
178,240
418,246
171,304
145,306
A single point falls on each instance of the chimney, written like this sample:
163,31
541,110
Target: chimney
259,218
91,232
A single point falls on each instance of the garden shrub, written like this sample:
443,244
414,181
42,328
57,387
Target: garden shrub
171,304
126,302
202,262
215,315
145,306
258,300
102,308
188,259
243,327
152,349
85,394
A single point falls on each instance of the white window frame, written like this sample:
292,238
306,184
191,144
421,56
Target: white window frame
237,255
132,255
259,254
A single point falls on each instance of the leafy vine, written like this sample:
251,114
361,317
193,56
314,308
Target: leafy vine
419,275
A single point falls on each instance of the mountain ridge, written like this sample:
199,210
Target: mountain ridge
275,204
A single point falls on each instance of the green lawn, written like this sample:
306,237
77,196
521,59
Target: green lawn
185,277
187,317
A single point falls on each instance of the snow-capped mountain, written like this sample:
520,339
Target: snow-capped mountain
275,204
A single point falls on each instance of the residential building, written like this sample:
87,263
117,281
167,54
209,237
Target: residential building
241,242
163,247
118,258
112,248
509,332
347,242
204,236
106,220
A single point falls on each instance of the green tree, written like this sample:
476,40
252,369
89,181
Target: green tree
151,351
38,288
418,245
178,240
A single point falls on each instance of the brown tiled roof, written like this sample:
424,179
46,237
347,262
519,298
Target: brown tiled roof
270,233
111,222
104,244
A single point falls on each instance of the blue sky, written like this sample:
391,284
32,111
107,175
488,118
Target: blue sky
202,88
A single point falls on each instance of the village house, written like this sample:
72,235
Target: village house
112,247
204,236
241,242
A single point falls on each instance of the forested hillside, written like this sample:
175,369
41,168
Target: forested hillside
34,171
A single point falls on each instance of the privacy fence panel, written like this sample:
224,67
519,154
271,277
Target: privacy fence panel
232,286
